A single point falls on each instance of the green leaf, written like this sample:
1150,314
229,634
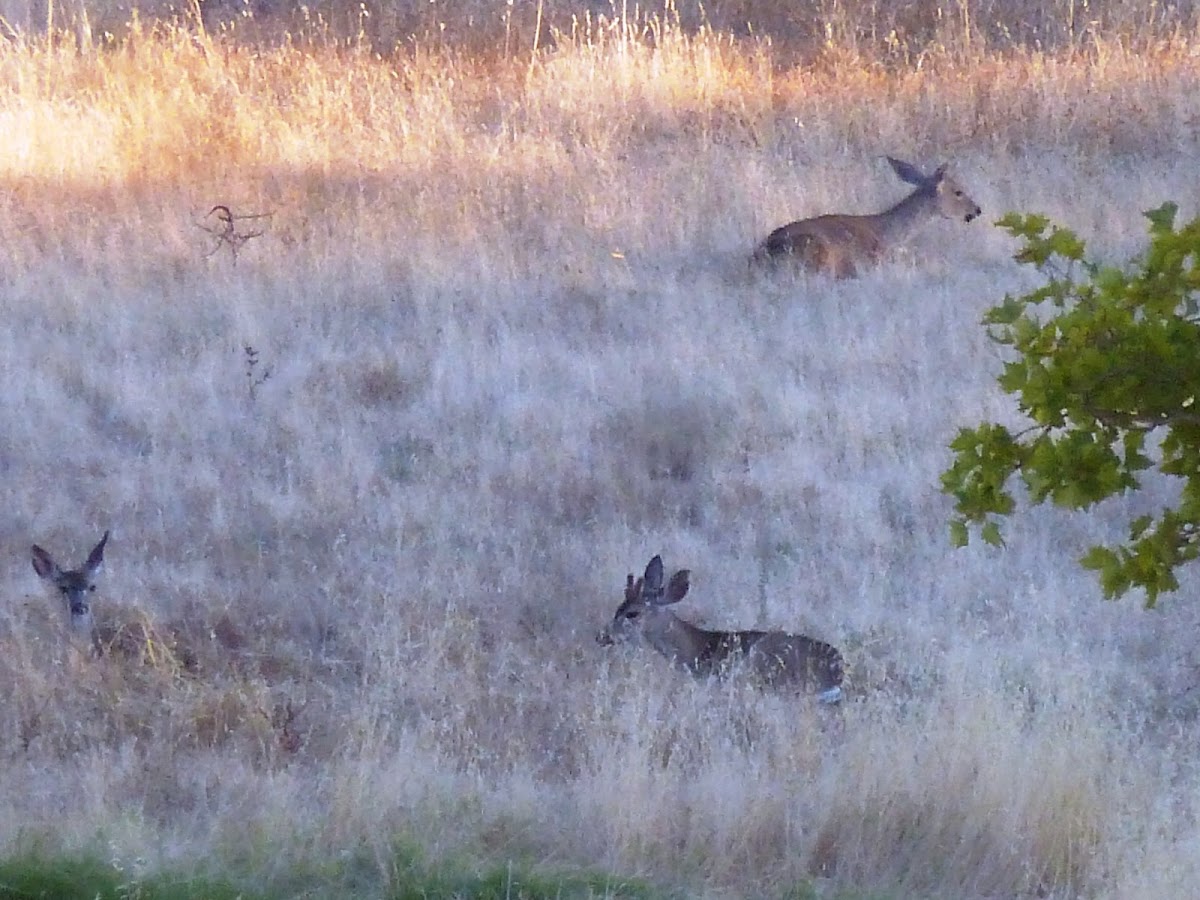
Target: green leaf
1099,558
1162,220
1006,313
991,535
960,536
1064,243
1139,525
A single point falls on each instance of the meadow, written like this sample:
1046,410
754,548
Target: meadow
375,481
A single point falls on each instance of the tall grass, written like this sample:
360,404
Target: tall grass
514,350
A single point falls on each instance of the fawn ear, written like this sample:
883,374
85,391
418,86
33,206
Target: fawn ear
678,587
654,574
96,558
43,564
907,172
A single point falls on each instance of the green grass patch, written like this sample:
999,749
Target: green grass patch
44,877
47,878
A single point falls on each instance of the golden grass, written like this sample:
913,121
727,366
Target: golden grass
511,349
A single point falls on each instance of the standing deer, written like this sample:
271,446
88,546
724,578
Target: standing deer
837,244
75,585
772,658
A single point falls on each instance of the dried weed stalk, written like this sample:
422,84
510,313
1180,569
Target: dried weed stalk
227,233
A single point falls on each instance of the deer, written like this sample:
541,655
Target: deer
772,659
75,585
838,244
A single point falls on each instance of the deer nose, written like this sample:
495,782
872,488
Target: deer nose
974,214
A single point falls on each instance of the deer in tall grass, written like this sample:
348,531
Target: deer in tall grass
773,659
838,244
75,586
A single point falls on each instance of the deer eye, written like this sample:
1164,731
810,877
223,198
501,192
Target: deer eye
958,193
91,587
633,613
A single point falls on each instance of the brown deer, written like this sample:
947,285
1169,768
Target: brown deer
75,585
772,659
838,244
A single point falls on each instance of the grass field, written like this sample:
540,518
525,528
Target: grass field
375,484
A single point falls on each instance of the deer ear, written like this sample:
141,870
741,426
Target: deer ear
631,590
678,587
907,172
96,558
654,574
42,563
939,173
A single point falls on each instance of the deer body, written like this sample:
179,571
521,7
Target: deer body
837,244
75,585
773,659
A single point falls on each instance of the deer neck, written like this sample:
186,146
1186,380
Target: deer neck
906,218
681,642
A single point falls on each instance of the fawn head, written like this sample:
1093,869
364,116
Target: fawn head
74,585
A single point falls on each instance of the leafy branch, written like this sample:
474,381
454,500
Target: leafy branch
1104,357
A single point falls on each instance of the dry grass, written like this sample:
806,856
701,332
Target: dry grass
514,350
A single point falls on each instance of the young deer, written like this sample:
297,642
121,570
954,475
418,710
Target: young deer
75,585
837,244
772,658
